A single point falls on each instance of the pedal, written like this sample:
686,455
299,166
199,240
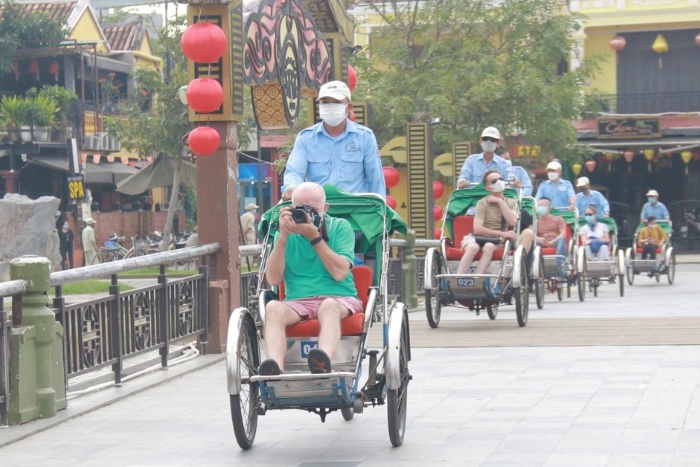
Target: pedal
261,409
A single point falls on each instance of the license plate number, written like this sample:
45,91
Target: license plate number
306,347
465,282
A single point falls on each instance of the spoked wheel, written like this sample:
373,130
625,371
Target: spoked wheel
539,286
433,307
630,266
581,287
492,311
105,256
396,399
671,268
522,295
621,279
244,405
348,413
594,285
560,291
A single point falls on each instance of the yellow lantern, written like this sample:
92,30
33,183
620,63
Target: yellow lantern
576,168
686,156
660,46
649,156
611,157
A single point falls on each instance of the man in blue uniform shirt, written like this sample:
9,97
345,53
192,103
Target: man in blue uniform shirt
586,197
654,208
559,191
476,165
337,150
522,178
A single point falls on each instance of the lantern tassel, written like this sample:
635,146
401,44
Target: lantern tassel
661,61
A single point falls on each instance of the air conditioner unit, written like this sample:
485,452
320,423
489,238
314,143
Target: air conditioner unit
92,143
103,140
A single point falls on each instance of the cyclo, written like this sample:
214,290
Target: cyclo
387,382
666,258
506,281
594,273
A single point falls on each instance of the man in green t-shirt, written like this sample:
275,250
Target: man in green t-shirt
313,259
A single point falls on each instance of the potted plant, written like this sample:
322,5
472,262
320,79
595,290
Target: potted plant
43,112
66,101
14,112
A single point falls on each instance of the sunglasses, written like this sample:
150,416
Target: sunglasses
589,214
490,139
494,180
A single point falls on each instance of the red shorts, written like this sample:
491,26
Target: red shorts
307,308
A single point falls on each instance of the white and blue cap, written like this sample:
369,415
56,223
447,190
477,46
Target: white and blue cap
335,90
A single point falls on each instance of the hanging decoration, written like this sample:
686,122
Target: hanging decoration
618,43
697,39
437,212
649,156
391,177
204,95
438,189
352,77
203,42
590,165
629,157
696,155
34,68
204,140
660,46
437,233
576,168
391,201
53,70
686,156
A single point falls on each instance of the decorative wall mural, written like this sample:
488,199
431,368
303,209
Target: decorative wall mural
283,46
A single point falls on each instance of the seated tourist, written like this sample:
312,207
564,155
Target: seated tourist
551,230
313,259
495,215
595,236
650,238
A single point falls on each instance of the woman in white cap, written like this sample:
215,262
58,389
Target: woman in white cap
654,208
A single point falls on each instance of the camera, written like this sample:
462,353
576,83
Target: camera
299,215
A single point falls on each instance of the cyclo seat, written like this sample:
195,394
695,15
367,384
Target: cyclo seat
548,251
463,226
350,326
641,250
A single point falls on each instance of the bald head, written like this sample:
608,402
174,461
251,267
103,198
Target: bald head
311,194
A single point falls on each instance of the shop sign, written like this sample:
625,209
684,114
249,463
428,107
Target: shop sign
529,151
628,127
76,187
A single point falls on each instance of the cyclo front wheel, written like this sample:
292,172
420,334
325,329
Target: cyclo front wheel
396,399
522,293
433,307
244,405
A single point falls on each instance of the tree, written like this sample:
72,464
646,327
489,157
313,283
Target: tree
474,64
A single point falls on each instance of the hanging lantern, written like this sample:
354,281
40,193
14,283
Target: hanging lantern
686,156
437,233
590,165
204,95
629,157
391,201
203,42
618,43
438,189
576,168
649,156
352,77
610,157
697,39
53,68
204,140
696,155
660,46
34,68
391,177
437,212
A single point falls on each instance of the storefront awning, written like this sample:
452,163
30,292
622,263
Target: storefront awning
106,172
109,64
672,144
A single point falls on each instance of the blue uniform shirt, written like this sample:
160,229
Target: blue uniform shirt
475,167
659,211
558,193
349,161
594,197
524,178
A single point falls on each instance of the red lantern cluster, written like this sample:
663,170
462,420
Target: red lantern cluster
437,233
391,177
391,201
204,140
352,77
437,212
590,165
203,42
438,189
205,95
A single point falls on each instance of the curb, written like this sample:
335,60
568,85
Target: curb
102,398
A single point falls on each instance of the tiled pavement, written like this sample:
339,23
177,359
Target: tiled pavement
582,406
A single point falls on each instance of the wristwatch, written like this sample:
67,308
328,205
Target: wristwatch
316,240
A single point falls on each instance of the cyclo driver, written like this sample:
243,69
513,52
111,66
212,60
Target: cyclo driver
313,253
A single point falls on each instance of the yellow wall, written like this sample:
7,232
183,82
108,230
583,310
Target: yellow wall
606,80
86,29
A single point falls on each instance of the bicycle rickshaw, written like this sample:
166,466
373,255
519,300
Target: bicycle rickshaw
595,273
388,377
505,282
664,264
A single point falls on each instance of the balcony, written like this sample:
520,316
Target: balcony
649,103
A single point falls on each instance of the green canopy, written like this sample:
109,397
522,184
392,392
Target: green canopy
158,174
463,199
665,225
365,214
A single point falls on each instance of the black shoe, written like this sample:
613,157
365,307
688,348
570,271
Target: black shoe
269,368
318,361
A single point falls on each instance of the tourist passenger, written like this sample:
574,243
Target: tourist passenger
336,151
551,230
651,237
595,236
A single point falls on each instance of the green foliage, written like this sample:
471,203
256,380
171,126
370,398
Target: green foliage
63,98
92,286
43,110
475,65
13,111
18,25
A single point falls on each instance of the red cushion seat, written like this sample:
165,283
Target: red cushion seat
350,326
461,227
641,250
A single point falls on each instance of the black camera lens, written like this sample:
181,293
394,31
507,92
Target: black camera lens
299,215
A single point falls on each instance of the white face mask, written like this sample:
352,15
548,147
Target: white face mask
489,146
332,114
499,186
541,210
552,175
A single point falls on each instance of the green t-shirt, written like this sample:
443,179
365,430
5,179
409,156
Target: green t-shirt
305,276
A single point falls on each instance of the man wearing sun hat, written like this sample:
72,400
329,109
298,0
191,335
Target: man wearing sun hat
586,197
248,223
89,243
335,151
477,165
556,189
654,208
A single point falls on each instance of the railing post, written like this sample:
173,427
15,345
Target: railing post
204,305
59,304
409,271
4,366
115,330
163,316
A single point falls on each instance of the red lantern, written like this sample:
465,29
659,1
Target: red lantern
391,177
391,202
629,155
437,233
438,189
618,43
205,95
697,39
352,116
437,212
352,77
203,42
204,140
590,165
696,155
53,68
33,67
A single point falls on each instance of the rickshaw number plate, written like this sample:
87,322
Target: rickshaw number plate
306,347
465,282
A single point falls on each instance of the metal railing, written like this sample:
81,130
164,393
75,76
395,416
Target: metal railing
649,103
